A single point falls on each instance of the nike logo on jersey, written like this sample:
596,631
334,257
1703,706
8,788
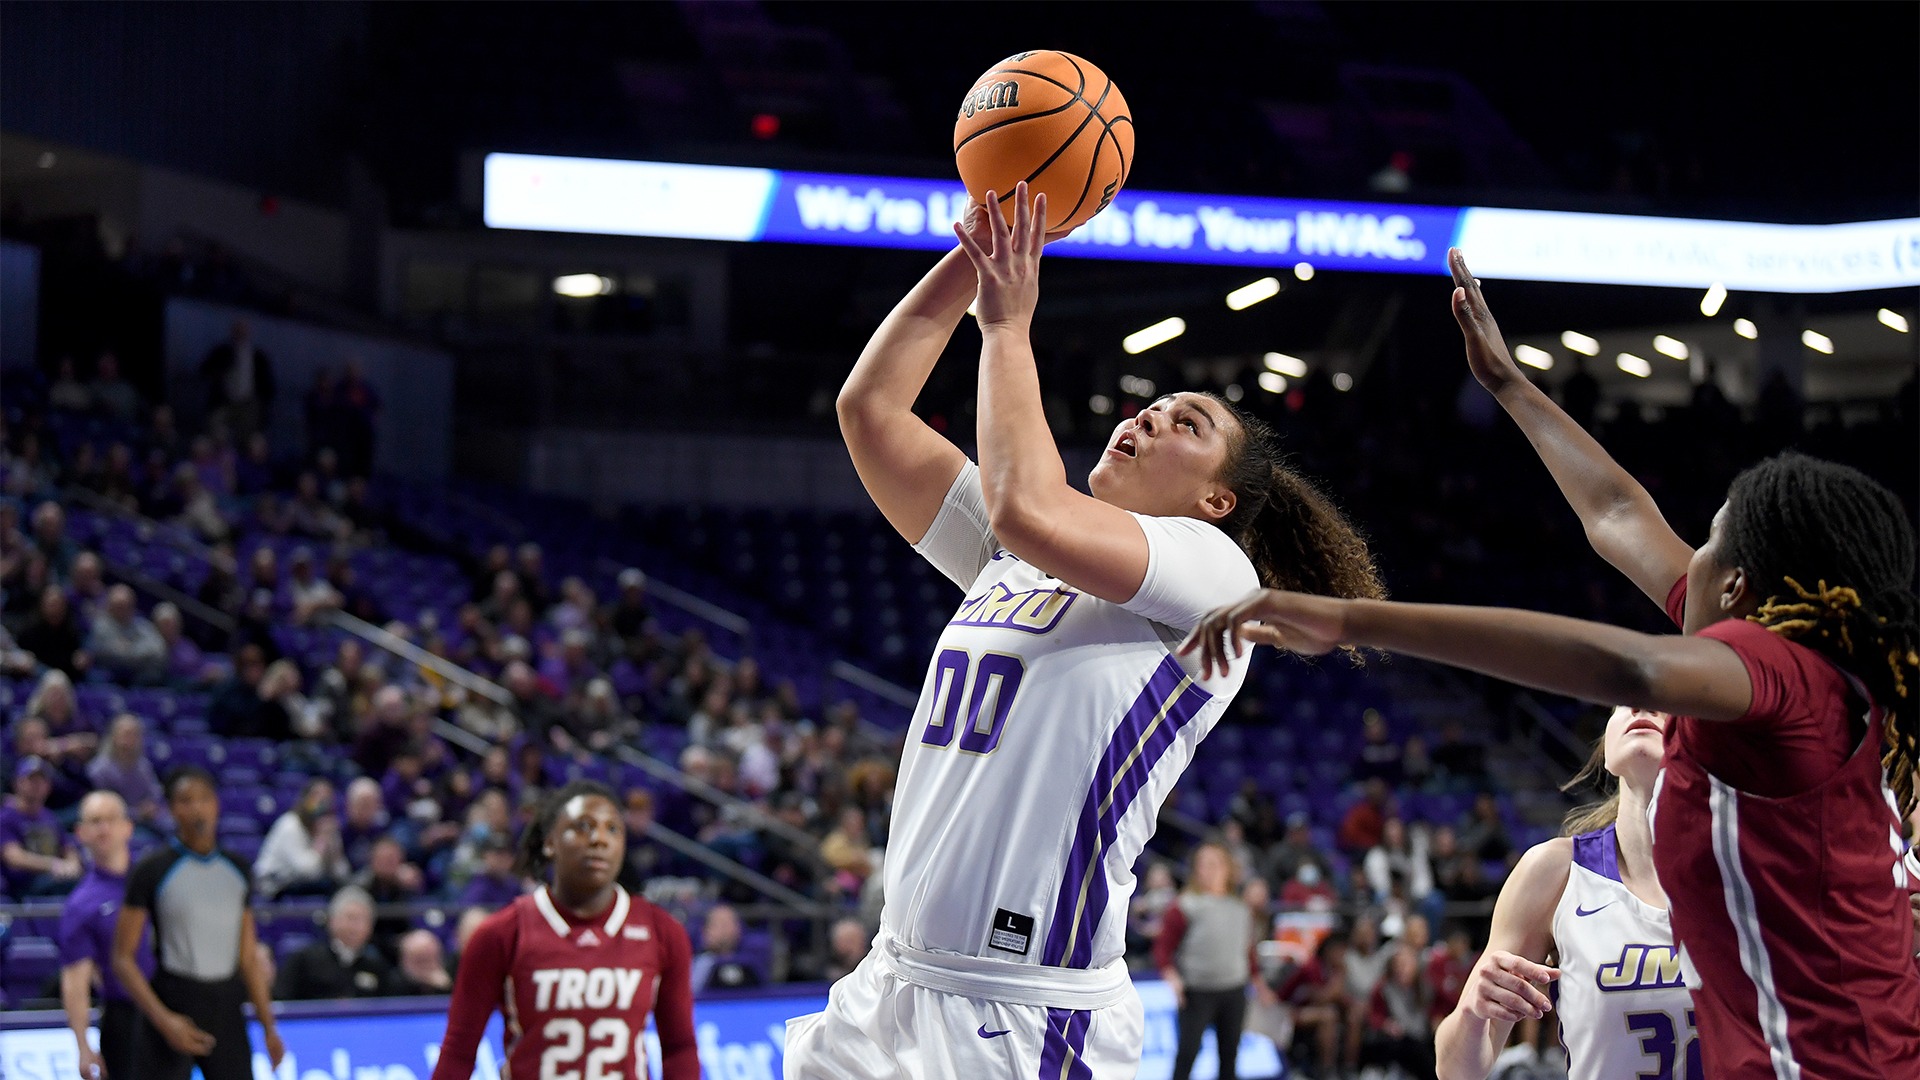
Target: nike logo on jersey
985,1034
1584,912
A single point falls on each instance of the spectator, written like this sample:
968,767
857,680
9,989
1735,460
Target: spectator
1400,1026
302,854
848,943
235,703
50,539
1448,966
346,965
848,850
385,732
35,853
112,394
87,588
187,666
240,383
1380,756
52,637
366,820
496,885
196,507
1360,829
357,413
719,964
67,391
570,670
253,473
1484,836
602,722
122,768
1317,995
630,611
423,967
310,516
645,857
390,879
86,939
530,567
1205,952
1400,859
1294,849
125,646
505,592
404,785
30,740
1147,913
70,740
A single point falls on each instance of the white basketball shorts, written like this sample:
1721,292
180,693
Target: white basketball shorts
882,1023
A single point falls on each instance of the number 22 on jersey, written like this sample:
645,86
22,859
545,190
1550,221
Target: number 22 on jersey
985,687
605,1044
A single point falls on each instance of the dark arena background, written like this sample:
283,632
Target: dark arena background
442,466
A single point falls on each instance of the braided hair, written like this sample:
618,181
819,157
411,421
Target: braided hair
1832,551
532,860
1297,539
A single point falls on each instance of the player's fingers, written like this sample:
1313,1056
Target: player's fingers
971,246
1530,971
1038,238
1264,634
1457,266
1520,988
997,222
1501,997
1022,215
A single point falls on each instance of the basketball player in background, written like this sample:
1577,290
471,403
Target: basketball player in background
575,966
1795,695
1054,717
1589,904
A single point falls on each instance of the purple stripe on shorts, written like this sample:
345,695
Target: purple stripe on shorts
1064,1046
1077,1039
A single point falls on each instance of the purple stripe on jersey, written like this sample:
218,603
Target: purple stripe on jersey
1598,852
1122,772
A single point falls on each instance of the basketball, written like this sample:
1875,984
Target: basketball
1054,120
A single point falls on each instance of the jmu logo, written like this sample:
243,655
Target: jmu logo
1035,611
1641,967
987,96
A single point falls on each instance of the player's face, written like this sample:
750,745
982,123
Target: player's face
589,843
1635,739
1166,461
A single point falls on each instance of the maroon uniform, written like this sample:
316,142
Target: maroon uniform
1779,844
575,993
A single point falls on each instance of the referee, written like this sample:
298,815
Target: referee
86,940
196,896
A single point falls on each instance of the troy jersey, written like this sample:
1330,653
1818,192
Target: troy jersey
1623,1002
575,993
1051,725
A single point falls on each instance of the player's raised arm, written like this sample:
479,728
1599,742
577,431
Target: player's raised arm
1089,544
1505,986
1622,522
906,466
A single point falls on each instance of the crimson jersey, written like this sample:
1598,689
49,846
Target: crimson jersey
1790,905
575,993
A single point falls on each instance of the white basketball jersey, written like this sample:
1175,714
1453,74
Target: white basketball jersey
1051,726
1622,999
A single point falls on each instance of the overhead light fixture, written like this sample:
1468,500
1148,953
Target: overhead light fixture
1636,366
1158,334
1273,382
1817,341
1248,295
1746,329
1580,343
1137,386
1893,320
1234,391
1291,366
1303,271
1342,381
1667,346
1533,358
1710,303
582,285
1101,404
46,159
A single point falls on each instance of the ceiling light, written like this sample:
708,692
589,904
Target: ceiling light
1234,391
1533,358
1710,303
1101,405
1893,319
1158,334
1580,343
1342,381
1817,341
1667,346
1273,382
1137,386
1246,296
1633,365
46,159
1746,329
1291,366
1303,271
579,285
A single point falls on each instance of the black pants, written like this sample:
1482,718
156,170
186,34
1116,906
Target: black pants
119,1031
215,1006
1225,1011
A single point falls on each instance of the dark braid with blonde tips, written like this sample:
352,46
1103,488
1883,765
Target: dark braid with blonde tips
1794,520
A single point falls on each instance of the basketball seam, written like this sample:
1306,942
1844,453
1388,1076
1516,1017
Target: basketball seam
1093,113
1106,129
998,124
1078,95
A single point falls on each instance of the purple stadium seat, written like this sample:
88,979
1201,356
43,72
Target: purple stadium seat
32,967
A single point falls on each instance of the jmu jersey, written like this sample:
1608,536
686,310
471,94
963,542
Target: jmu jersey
1049,729
1622,999
576,995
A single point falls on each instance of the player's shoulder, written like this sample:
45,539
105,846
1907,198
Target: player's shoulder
149,868
502,928
1539,879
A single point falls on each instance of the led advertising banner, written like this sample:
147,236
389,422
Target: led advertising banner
740,1038
712,202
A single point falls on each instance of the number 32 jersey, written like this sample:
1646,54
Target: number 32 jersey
575,993
1051,726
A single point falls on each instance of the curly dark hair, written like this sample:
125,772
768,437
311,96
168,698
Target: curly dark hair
532,860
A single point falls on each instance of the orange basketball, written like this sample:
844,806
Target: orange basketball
1053,120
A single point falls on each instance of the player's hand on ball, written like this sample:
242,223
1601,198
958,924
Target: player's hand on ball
1296,622
1008,262
1506,987
1487,354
